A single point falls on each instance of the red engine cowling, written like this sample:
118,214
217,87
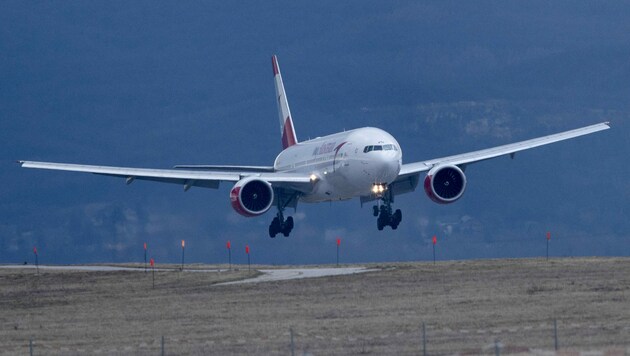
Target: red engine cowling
251,196
445,184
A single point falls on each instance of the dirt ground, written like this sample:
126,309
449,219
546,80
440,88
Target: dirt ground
467,307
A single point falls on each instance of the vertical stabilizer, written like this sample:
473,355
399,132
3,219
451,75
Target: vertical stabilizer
286,123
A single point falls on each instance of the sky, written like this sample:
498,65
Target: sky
157,83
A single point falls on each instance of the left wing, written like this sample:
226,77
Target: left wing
409,175
510,149
187,178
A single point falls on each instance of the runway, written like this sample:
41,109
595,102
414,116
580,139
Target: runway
269,275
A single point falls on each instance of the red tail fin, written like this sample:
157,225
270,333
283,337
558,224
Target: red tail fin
287,130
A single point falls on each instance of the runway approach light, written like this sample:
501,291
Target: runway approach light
249,262
228,245
183,247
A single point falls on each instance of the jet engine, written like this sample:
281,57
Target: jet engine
251,196
445,184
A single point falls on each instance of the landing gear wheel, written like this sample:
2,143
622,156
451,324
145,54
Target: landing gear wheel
287,226
395,219
279,224
274,227
375,208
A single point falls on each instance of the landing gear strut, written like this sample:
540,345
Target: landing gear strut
385,215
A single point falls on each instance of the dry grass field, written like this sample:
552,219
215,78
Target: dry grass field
465,306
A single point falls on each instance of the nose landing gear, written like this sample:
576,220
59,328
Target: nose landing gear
386,218
385,215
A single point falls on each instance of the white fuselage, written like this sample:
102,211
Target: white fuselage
344,165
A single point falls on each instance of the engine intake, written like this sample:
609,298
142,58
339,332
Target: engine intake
445,184
251,196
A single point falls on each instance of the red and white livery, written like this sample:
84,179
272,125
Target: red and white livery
364,163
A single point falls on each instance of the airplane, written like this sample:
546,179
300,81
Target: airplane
364,163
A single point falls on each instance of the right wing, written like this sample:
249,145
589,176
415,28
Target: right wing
206,178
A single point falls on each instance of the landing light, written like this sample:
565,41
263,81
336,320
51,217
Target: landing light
378,188
313,178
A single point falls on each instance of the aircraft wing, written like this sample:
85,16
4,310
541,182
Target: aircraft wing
188,178
509,149
409,175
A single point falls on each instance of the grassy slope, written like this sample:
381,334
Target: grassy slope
466,306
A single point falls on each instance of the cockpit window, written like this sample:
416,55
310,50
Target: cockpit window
388,147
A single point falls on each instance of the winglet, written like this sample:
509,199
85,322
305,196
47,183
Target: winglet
274,63
287,131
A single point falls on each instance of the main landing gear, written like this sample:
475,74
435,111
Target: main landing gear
385,215
279,225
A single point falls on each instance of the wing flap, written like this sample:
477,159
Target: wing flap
223,168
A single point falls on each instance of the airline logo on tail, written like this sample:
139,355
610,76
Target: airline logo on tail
286,123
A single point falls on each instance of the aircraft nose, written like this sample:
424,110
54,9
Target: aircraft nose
388,166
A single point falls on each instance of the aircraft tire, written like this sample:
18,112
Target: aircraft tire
274,227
